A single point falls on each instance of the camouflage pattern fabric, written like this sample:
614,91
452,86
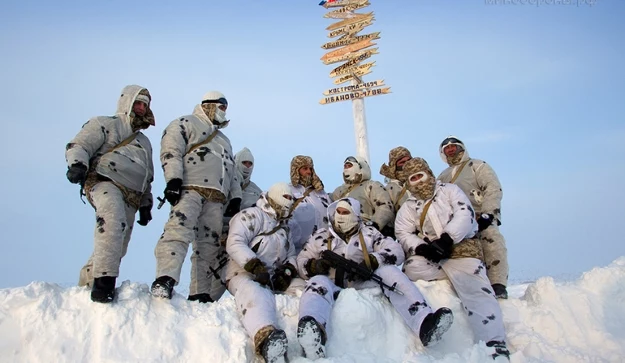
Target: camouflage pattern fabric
390,170
297,163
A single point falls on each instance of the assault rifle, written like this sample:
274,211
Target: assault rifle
341,263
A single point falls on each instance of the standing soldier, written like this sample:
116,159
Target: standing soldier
396,184
201,178
112,161
480,183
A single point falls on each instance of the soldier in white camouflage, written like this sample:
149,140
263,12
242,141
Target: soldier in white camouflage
112,161
479,182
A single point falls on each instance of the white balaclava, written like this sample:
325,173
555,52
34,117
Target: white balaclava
345,223
244,155
280,198
216,97
350,176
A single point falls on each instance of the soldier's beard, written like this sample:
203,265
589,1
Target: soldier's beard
455,159
306,181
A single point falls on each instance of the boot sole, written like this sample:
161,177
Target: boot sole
443,323
160,291
309,337
276,347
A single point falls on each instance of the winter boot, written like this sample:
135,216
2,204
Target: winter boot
163,287
500,351
203,298
103,290
500,291
312,337
274,348
435,325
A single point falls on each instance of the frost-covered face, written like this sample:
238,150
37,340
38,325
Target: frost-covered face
345,220
352,172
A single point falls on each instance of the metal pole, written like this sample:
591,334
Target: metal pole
360,126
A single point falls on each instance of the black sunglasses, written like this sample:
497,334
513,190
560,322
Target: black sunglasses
450,140
222,101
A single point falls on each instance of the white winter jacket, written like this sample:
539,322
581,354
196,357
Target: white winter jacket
450,212
208,166
130,165
386,250
245,240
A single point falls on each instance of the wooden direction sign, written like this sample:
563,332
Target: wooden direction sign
355,87
350,29
339,3
361,67
350,56
346,11
355,95
352,62
350,40
346,22
349,77
348,49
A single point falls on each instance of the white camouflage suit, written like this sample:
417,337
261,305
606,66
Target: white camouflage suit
255,303
450,212
373,197
479,182
118,183
209,180
321,290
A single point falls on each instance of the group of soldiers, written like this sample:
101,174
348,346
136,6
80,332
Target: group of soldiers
294,238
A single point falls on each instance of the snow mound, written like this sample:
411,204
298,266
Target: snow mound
579,321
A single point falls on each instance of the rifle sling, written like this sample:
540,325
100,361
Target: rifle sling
453,180
206,141
424,212
401,195
299,200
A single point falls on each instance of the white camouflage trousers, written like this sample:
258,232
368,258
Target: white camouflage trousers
114,222
255,303
319,296
495,254
468,277
197,222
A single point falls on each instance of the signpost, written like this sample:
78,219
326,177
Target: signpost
352,49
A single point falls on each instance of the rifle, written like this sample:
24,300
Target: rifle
222,263
341,263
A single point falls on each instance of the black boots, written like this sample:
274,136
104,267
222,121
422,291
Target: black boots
163,287
203,298
435,325
275,347
312,338
500,350
103,290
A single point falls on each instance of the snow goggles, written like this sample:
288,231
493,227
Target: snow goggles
450,140
221,101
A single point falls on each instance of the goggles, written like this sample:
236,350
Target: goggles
221,101
351,160
450,140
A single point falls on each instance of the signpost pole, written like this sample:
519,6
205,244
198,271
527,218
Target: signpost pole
360,125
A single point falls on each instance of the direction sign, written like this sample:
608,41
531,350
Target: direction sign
355,87
350,56
350,29
348,49
346,22
336,4
361,67
355,95
353,62
350,40
347,9
349,77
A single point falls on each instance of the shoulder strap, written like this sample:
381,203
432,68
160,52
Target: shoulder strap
299,200
206,141
453,180
423,213
365,253
401,195
274,230
330,242
126,141
351,187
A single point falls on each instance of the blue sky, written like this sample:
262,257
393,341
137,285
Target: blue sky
536,91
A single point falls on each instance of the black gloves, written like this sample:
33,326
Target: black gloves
388,231
77,173
281,279
173,190
484,221
375,225
318,267
233,207
256,268
436,250
145,215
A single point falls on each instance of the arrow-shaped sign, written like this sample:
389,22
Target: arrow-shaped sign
350,48
350,40
355,87
355,95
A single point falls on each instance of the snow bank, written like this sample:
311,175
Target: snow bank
580,321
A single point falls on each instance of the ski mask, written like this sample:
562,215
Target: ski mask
244,155
345,224
280,199
353,174
212,104
421,181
